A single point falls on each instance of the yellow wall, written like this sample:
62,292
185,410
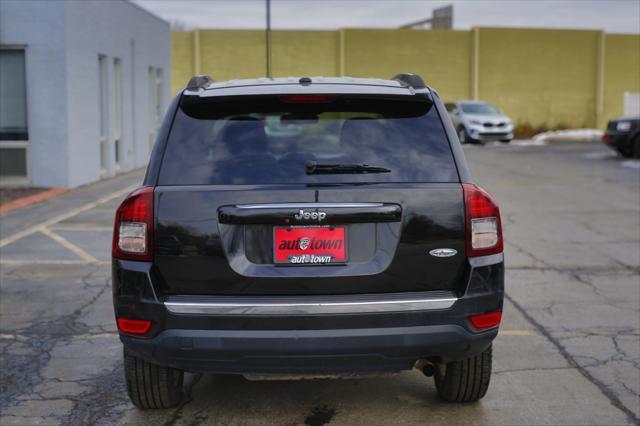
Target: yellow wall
621,71
540,77
543,78
441,57
232,54
304,53
181,59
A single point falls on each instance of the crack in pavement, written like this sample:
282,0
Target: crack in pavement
586,269
104,402
518,370
22,371
187,397
613,398
577,268
578,275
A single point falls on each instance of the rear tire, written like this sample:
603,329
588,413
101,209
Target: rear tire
505,140
151,386
466,380
626,154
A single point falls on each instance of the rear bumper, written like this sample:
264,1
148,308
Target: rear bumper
490,134
493,136
316,335
618,141
307,351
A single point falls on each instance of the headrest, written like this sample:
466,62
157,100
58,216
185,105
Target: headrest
244,135
362,132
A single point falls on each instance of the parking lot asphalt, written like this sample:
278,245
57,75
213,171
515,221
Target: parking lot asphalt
568,351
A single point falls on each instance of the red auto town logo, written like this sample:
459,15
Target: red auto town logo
305,243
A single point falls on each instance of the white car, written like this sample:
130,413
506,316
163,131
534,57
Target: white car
477,121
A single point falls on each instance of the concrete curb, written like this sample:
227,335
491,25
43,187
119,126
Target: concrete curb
31,199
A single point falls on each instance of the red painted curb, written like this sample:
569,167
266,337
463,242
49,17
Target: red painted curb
31,199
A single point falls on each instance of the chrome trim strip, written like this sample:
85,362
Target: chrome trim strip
308,205
228,308
492,259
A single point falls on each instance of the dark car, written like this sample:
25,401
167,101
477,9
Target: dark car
356,242
623,135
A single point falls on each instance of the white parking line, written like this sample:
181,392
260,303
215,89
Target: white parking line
81,227
71,213
21,262
514,333
69,245
23,338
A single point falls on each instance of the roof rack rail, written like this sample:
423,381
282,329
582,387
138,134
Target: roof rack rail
199,82
413,80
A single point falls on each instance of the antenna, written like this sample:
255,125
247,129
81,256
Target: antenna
413,80
199,82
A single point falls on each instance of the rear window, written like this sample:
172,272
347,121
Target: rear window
273,139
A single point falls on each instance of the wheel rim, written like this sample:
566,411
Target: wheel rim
462,136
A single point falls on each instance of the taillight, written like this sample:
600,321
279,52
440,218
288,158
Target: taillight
484,321
133,227
133,326
606,138
483,226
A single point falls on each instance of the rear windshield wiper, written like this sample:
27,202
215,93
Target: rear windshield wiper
314,168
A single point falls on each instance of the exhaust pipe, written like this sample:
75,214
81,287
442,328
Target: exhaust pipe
427,368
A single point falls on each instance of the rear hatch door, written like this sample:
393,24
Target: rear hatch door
291,196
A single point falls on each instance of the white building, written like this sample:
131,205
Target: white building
83,87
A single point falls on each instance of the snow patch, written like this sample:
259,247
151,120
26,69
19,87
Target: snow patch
571,135
597,155
632,164
528,142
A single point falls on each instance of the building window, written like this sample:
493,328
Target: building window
103,106
117,96
13,162
14,134
151,116
155,104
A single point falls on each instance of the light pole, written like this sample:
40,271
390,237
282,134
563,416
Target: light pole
268,38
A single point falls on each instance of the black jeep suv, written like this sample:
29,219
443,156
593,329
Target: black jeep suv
309,227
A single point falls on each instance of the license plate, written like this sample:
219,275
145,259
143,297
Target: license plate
309,245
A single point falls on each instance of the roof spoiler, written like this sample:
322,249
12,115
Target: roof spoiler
199,82
408,79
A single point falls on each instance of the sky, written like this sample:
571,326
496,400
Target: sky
615,16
